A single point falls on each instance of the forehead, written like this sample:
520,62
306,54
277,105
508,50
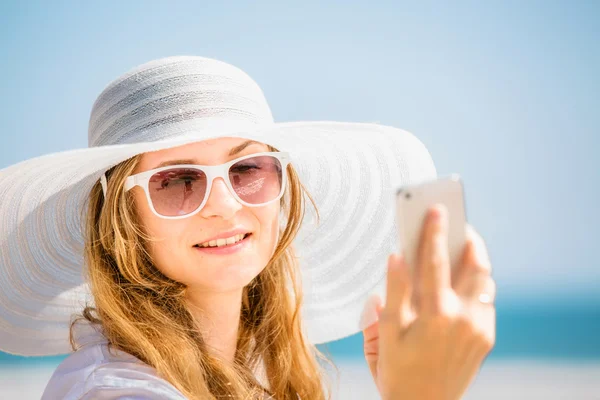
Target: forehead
206,152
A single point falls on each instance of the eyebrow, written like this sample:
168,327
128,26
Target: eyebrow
235,150
239,148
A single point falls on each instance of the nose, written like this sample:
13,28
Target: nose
220,202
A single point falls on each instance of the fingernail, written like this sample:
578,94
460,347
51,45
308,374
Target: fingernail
399,263
437,213
393,263
434,214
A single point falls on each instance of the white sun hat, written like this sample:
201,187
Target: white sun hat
351,169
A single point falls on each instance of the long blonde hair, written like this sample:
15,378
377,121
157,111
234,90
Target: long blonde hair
143,313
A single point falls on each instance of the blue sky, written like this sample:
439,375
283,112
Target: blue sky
506,93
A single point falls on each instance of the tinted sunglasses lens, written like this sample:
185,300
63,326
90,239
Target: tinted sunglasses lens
257,180
177,191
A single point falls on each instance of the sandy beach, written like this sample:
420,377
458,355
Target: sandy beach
498,380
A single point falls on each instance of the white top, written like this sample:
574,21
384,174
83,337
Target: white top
92,372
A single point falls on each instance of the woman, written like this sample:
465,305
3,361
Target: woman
206,276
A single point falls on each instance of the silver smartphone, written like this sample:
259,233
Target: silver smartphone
412,203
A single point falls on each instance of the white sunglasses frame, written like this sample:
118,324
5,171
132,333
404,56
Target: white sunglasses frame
212,172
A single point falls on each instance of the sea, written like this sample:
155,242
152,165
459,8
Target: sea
547,351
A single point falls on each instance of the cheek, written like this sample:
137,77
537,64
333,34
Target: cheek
223,274
269,229
183,265
164,234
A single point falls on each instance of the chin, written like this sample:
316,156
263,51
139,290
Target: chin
228,278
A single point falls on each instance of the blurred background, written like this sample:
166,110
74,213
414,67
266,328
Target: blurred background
506,93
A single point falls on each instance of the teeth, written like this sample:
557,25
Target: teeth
223,242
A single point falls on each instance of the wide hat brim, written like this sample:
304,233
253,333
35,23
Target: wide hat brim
351,169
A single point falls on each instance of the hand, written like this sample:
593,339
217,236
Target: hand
435,330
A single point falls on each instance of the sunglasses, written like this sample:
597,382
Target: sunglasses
180,191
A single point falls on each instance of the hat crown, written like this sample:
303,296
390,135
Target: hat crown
169,96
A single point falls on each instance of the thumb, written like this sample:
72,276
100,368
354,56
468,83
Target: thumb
370,330
371,311
398,299
379,309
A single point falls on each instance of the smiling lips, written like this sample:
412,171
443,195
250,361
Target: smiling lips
224,241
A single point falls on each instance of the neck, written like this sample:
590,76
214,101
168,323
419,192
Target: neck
217,316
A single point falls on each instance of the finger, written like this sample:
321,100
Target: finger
371,347
475,258
370,340
433,266
371,332
483,320
477,288
398,295
372,350
379,309
480,251
370,313
475,252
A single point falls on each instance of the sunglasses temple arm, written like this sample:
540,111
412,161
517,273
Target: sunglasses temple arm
104,185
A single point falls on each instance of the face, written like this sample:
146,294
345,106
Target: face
176,248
